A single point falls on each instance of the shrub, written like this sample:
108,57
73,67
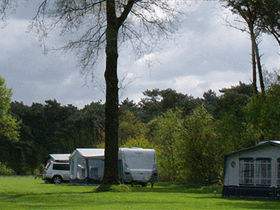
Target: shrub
113,188
120,188
4,170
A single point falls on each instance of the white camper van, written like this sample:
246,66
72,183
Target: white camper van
138,166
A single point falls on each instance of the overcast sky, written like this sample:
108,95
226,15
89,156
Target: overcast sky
206,54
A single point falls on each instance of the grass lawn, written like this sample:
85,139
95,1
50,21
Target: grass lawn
27,193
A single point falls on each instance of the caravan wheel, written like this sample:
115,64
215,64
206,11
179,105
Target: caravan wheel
144,184
57,179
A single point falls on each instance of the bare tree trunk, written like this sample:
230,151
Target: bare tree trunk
259,65
111,171
254,68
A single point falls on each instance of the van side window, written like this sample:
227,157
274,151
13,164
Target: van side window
64,167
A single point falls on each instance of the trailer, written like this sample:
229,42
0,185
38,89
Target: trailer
136,165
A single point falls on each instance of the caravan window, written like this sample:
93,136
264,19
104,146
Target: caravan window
263,171
81,172
72,167
246,171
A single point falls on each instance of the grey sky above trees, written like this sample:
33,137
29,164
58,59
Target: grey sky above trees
205,55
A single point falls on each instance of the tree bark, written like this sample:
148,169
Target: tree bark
111,170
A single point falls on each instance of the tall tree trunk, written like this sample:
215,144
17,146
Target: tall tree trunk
111,170
254,66
259,65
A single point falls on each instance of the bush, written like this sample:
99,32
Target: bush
120,188
113,188
4,170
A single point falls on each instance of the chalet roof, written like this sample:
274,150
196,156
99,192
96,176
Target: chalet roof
261,144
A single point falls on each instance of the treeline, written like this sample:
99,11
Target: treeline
190,135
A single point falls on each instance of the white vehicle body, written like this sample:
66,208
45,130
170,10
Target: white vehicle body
56,172
138,165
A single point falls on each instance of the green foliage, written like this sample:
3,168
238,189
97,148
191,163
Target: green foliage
139,141
8,125
201,148
263,113
4,170
158,101
167,133
130,127
120,188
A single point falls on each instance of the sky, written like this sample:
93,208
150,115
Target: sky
205,54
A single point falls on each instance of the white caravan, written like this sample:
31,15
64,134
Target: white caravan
138,166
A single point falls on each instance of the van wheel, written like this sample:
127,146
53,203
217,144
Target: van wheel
57,179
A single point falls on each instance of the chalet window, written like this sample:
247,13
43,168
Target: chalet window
278,172
263,171
246,171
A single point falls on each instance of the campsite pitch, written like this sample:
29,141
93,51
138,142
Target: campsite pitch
19,192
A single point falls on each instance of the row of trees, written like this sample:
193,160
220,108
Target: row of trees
190,135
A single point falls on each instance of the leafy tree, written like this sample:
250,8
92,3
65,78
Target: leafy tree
141,142
232,125
104,24
25,150
234,99
130,127
159,101
166,135
9,126
263,114
202,153
211,101
128,105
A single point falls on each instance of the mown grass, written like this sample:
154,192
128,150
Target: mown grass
27,193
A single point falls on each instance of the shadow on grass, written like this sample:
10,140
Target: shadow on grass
250,203
179,188
11,195
245,203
